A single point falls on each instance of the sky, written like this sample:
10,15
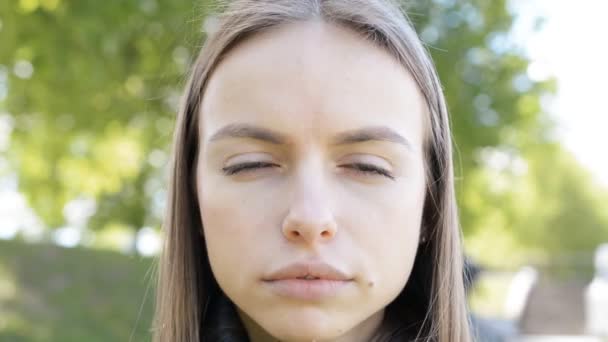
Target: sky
572,46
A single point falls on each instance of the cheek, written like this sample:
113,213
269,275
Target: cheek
388,230
394,239
228,229
237,224
235,216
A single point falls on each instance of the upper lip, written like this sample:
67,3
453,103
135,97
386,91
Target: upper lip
319,270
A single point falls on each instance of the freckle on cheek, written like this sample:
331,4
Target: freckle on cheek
370,284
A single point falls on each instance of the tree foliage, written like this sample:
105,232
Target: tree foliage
94,116
92,88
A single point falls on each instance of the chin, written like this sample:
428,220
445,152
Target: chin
303,335
306,325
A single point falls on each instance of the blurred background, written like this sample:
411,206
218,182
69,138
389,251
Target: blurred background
88,96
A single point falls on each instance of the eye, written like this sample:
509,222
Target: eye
244,167
369,170
365,169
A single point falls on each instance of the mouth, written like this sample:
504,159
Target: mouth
308,288
308,277
308,281
308,271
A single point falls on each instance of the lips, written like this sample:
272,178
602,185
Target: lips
308,277
308,281
308,271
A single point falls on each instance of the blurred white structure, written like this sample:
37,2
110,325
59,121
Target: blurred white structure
148,242
519,290
596,295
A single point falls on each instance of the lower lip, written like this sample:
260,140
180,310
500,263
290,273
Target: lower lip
308,289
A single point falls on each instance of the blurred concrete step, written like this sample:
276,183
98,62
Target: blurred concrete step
555,307
556,338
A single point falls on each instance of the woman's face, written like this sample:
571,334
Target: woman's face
309,102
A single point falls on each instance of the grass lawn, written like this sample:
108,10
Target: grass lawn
49,293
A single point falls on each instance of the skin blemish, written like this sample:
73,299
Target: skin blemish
370,284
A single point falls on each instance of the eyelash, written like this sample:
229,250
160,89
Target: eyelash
366,169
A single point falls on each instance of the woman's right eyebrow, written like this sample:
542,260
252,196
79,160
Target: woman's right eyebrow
360,135
243,130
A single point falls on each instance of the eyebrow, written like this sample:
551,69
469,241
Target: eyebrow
365,134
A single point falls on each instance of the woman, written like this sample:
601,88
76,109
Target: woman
311,194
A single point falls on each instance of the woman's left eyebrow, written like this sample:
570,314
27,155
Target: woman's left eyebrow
365,134
371,133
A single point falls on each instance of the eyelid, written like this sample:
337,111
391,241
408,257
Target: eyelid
353,159
362,168
246,162
249,157
364,158
372,169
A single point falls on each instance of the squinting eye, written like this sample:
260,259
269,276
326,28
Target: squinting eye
240,168
366,169
369,170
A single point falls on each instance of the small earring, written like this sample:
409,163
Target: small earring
423,239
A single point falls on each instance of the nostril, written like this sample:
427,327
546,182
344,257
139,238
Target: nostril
325,233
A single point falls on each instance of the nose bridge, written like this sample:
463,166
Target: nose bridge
310,196
310,216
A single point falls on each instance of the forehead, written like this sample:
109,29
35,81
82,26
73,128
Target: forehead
311,79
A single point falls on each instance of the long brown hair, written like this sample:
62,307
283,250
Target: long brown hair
432,306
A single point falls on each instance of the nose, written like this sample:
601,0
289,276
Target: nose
310,219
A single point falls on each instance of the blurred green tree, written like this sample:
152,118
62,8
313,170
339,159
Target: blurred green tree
520,192
93,87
